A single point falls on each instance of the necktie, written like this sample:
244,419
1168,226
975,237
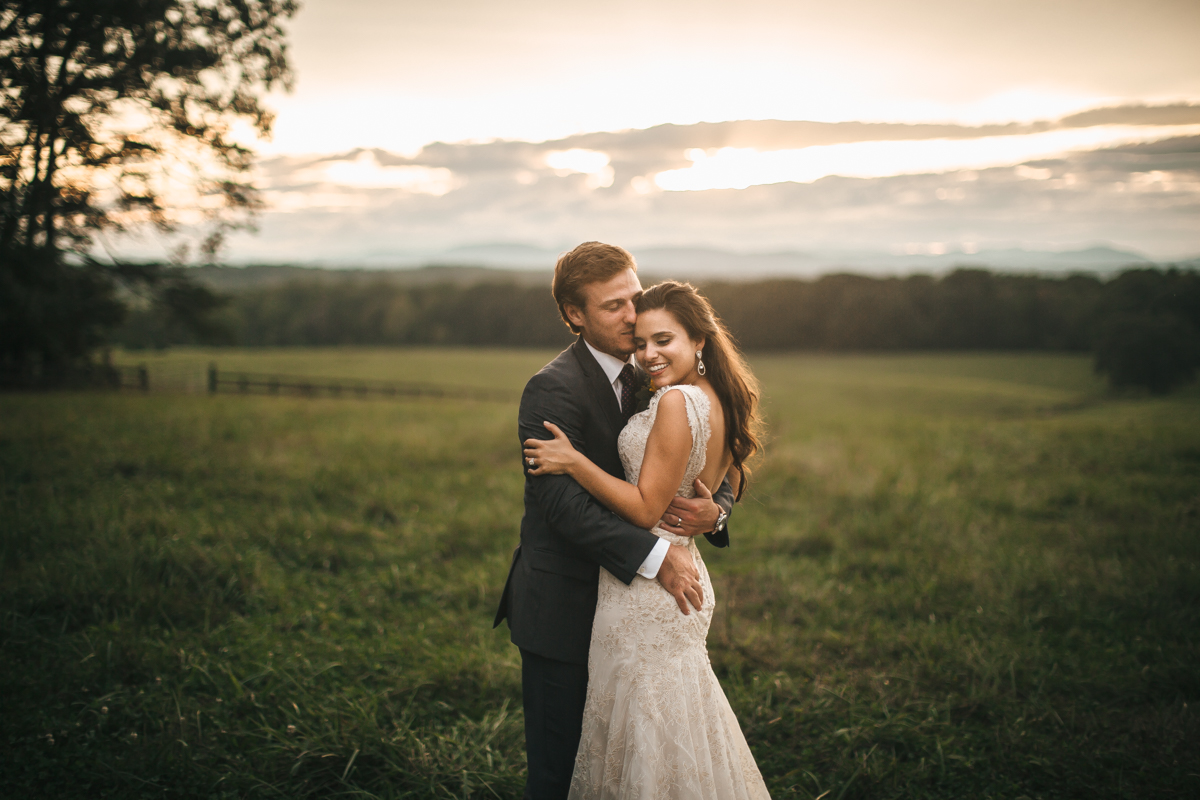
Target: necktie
627,379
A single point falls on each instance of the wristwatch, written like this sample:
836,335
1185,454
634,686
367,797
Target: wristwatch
721,519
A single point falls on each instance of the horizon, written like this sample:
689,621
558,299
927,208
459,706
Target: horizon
523,263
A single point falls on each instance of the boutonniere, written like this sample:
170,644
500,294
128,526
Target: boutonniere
642,396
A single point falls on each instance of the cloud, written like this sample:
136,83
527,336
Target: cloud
737,168
366,172
665,147
1082,179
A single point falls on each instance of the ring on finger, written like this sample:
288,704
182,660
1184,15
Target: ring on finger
529,461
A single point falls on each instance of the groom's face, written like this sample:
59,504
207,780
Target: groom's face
609,313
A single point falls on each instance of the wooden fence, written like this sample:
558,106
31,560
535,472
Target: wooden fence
234,382
216,381
86,376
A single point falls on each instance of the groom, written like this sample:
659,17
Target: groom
566,535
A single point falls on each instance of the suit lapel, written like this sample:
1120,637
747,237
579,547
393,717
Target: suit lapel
598,385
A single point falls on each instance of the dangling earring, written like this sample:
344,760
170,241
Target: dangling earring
700,364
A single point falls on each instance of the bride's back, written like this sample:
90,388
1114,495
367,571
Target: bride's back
718,459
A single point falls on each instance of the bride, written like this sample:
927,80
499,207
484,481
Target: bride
656,723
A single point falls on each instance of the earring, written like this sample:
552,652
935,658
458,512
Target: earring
700,364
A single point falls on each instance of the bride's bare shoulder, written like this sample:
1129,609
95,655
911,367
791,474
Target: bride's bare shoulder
672,402
671,413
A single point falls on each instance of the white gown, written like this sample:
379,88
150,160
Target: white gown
656,723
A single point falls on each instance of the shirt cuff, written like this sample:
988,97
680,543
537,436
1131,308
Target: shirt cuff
649,568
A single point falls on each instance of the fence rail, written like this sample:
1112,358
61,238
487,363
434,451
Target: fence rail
88,376
235,382
216,381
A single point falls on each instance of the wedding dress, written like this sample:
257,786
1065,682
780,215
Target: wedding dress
656,723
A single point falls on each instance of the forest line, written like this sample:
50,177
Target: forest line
967,309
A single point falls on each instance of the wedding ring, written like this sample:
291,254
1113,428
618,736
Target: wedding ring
530,460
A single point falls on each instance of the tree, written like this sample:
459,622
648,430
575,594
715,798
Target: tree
1148,335
1153,352
116,114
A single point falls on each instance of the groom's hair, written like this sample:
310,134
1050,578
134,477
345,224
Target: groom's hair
590,262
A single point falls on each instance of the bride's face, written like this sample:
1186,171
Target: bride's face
664,349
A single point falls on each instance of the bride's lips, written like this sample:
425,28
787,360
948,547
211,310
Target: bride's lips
655,370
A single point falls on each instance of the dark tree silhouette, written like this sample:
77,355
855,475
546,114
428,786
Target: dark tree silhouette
101,100
1149,331
1155,352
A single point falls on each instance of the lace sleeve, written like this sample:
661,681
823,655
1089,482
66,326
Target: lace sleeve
698,407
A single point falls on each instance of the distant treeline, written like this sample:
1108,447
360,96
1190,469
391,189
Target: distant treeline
968,309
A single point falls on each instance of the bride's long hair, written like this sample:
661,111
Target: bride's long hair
725,369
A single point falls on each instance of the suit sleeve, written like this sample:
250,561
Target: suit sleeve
569,510
724,498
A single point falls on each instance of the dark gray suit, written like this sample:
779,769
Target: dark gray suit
566,536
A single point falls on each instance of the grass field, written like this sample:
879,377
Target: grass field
954,576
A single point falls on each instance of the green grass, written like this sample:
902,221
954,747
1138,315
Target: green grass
954,576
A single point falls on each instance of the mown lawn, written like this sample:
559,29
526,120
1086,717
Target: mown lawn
955,576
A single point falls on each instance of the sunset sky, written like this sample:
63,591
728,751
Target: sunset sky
556,122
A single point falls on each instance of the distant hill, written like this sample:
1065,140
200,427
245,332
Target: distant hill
708,263
526,265
233,279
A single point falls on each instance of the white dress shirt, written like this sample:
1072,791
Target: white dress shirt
612,367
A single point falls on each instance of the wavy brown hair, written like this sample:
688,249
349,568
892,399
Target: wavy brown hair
725,369
590,262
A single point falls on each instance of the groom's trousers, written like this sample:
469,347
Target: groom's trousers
554,695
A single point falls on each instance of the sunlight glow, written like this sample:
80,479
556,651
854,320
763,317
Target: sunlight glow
738,168
365,172
577,160
592,163
303,201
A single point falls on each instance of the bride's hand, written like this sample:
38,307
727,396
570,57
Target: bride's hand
550,456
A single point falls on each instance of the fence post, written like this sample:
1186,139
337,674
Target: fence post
143,378
212,378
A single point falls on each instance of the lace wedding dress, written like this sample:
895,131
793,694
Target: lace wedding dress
656,723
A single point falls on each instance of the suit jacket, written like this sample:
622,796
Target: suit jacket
549,598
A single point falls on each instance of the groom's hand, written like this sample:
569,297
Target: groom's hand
679,576
692,517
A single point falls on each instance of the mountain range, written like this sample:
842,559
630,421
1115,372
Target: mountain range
709,263
529,265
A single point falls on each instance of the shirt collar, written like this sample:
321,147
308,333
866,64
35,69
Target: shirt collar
611,365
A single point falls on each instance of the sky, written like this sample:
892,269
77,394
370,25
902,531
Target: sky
887,125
